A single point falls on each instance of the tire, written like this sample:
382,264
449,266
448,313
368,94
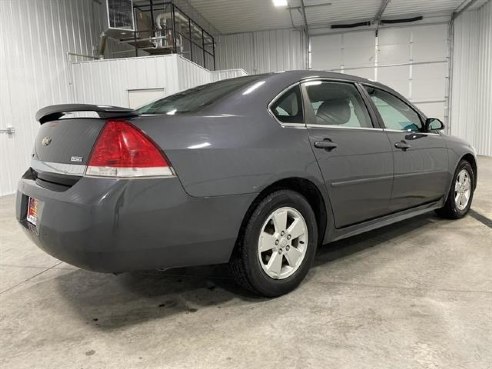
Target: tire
454,208
258,271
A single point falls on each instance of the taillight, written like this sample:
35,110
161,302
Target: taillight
122,150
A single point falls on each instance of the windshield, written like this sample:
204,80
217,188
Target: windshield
196,98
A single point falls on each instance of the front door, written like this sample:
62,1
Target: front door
421,159
354,156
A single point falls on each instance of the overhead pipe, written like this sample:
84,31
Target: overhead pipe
402,20
351,25
158,20
102,45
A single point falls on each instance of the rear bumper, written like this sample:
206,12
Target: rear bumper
116,225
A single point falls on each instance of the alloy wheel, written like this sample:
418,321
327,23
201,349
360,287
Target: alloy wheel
462,189
282,243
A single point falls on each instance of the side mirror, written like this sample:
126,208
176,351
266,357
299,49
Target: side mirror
433,124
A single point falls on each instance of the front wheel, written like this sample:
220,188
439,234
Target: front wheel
461,192
278,245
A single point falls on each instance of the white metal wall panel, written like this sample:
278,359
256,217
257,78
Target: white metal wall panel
279,51
412,60
262,52
471,99
218,75
108,81
483,139
235,51
464,88
35,37
191,74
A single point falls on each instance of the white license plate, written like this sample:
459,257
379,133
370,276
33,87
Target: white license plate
32,211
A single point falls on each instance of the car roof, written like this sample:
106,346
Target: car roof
278,81
293,76
297,75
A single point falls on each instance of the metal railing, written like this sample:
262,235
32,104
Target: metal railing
182,36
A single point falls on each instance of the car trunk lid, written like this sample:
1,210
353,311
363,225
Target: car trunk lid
67,141
64,140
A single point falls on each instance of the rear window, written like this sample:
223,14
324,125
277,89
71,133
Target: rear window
288,107
196,98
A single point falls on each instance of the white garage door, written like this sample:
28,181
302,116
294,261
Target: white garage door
412,60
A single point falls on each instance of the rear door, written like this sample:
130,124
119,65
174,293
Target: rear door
354,154
421,159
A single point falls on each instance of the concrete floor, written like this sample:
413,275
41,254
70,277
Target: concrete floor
413,295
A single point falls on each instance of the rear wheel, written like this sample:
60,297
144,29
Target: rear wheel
461,192
278,245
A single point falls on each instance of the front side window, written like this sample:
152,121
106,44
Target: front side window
394,112
337,104
288,107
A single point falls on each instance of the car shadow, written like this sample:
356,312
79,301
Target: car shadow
110,302
350,246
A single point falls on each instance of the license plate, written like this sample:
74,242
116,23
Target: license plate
32,211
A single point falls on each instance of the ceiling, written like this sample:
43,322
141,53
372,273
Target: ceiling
234,16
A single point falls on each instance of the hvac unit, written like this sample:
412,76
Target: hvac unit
118,17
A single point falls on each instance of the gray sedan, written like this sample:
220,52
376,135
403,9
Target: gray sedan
255,171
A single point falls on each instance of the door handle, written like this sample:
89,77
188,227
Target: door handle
402,145
326,144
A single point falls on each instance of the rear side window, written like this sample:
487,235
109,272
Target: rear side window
196,98
288,107
337,104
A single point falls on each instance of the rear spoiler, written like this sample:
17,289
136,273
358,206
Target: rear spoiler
54,112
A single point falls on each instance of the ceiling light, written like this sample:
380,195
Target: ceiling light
279,3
